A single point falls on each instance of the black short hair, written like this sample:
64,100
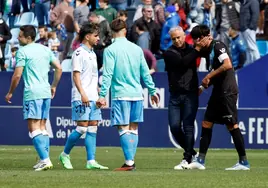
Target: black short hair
92,14
122,13
43,27
117,25
105,1
200,31
14,49
28,31
88,28
141,26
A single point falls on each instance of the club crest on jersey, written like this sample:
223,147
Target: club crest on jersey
222,50
77,53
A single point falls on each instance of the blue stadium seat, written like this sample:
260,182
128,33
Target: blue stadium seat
8,51
160,65
37,34
15,34
66,65
263,47
7,61
35,22
26,18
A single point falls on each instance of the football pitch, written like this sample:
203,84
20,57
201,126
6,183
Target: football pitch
154,169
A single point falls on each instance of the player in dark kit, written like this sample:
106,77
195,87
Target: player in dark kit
221,107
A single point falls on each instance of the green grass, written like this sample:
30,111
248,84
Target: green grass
154,169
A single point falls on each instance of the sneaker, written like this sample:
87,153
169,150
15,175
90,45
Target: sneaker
196,165
44,166
95,166
126,167
66,162
239,166
182,165
37,164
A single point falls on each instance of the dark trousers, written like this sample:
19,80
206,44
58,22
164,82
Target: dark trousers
41,12
182,111
2,60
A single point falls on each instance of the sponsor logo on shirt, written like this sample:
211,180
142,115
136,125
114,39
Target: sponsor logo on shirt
222,50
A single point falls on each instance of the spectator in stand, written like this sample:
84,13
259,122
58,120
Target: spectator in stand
122,15
119,4
41,9
139,10
238,49
144,40
228,15
43,38
266,18
25,5
10,9
105,10
159,12
105,34
151,26
249,15
181,10
12,62
5,35
62,18
260,29
150,59
193,4
76,43
53,43
81,14
204,15
172,20
208,13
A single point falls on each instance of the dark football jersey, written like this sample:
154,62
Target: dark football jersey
224,83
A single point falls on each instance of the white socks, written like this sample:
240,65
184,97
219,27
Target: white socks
129,162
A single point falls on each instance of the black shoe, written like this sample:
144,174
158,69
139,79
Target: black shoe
126,167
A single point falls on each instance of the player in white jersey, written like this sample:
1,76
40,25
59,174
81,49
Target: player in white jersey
84,97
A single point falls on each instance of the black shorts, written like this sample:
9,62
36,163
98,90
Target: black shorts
222,110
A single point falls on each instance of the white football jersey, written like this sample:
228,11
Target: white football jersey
84,60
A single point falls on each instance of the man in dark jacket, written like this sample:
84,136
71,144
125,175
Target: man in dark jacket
5,35
150,25
249,16
105,35
180,61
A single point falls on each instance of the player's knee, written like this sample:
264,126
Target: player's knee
92,123
123,127
92,129
133,126
207,125
81,129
